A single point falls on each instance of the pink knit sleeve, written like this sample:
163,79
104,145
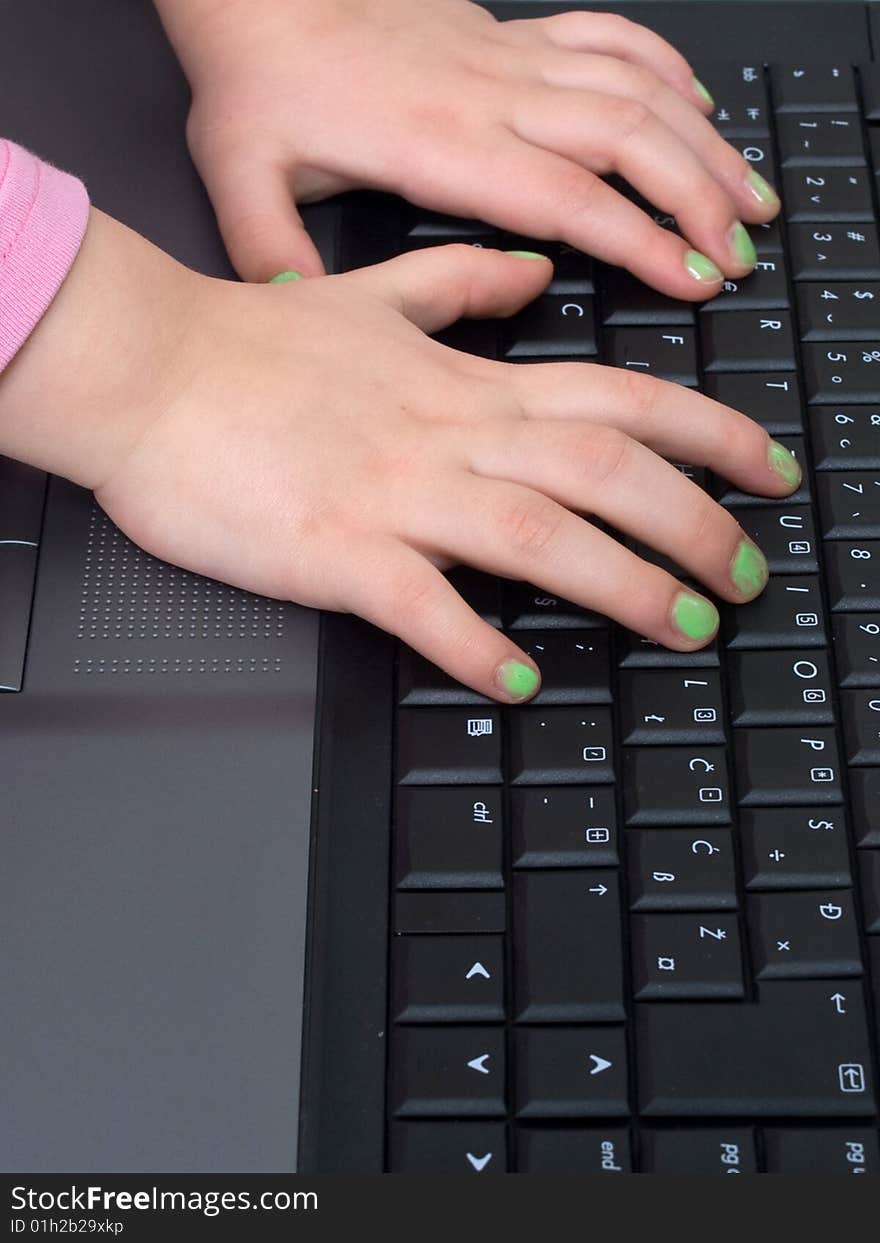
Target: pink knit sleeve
43,217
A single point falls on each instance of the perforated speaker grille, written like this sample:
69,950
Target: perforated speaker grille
131,598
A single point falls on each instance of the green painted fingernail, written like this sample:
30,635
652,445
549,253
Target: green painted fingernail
701,267
748,571
527,254
784,463
761,189
695,616
517,679
286,276
703,93
742,246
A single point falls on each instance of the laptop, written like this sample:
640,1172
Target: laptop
276,895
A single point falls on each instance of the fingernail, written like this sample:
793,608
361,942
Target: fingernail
701,267
742,247
748,570
527,254
761,189
517,679
703,93
784,463
695,616
286,276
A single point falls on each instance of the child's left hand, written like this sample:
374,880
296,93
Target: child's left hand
511,122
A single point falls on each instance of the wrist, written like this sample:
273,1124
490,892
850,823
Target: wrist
103,361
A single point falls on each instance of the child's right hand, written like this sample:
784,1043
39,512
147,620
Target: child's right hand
308,441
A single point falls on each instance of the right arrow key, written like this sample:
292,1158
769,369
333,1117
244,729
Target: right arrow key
571,1072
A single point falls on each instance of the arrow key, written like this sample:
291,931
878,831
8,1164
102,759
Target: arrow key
452,1072
448,1148
571,1072
439,979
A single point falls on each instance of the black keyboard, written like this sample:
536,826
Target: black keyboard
635,923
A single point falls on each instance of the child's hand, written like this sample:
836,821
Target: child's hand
510,122
309,442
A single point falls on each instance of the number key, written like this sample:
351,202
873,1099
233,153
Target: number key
853,572
831,141
827,194
834,252
846,438
857,649
844,372
849,505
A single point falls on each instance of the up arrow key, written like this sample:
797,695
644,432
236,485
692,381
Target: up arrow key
478,969
476,1063
479,1163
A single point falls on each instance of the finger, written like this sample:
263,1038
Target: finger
616,36
605,472
676,422
395,587
537,193
753,198
511,530
261,228
440,284
607,133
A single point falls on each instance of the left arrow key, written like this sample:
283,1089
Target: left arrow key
454,1072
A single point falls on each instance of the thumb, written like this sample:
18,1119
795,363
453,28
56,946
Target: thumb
438,285
261,228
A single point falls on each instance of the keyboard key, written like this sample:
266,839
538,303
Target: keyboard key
787,613
857,649
834,252
841,373
481,591
22,492
574,1150
553,326
470,336
845,437
419,681
864,792
853,572
574,665
849,505
527,607
560,827
699,1151
763,289
785,535
794,848
681,870
869,78
447,1072
448,1148
747,341
860,716
449,911
822,194
814,139
685,957
869,885
448,838
780,688
770,398
573,271
729,495
790,1054
786,766
740,94
766,237
759,153
559,746
821,1150
668,352
804,935
571,1072
666,706
626,300
448,746
18,567
813,88
838,310
675,785
448,979
637,652
568,961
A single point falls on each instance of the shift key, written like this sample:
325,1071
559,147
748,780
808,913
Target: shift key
569,966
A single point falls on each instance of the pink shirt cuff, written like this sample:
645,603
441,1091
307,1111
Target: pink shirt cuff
43,218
